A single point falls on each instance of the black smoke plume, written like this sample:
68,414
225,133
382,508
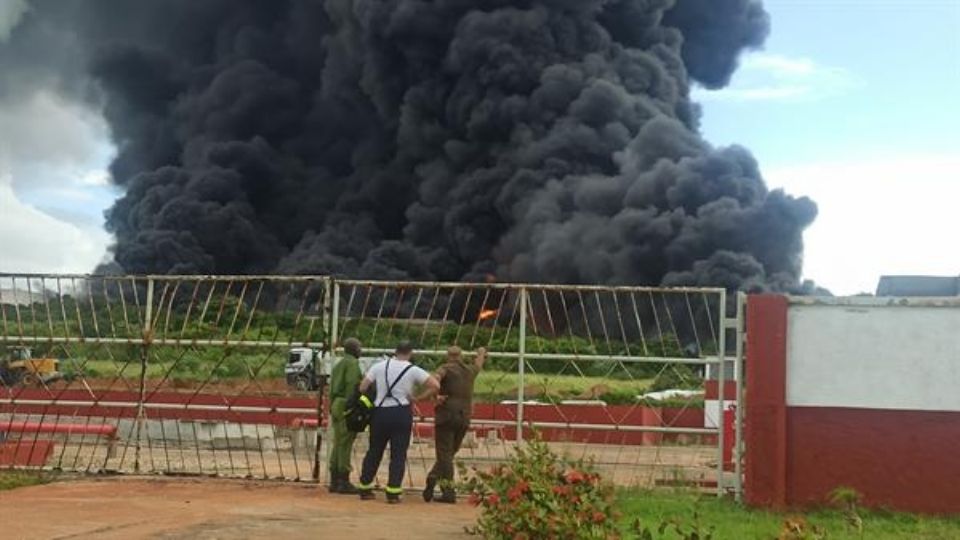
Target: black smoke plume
540,140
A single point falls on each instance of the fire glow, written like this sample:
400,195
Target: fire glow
487,314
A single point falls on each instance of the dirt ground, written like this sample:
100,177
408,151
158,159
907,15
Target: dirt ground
131,508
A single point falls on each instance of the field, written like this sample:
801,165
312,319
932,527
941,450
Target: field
491,386
168,508
734,522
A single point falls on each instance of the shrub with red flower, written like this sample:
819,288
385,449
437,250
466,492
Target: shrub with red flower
541,495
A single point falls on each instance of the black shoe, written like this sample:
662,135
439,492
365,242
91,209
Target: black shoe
366,494
346,488
393,498
428,491
447,497
334,482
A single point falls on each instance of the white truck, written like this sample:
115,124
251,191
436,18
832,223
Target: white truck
306,367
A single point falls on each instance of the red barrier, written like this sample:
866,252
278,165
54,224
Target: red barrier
604,415
100,430
295,412
306,423
35,454
103,430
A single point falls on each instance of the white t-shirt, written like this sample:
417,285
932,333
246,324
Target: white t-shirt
403,391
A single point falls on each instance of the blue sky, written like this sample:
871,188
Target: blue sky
852,102
855,103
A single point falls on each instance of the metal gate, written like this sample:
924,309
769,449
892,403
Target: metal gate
632,378
174,375
185,375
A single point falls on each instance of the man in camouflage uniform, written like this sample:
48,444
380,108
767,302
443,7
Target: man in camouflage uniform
452,418
343,380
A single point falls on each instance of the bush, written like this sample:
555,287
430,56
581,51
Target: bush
677,376
538,494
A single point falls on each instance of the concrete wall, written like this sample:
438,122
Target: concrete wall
853,392
873,356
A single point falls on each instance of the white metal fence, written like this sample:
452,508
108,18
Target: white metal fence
189,371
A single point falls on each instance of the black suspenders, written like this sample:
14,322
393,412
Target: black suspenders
390,387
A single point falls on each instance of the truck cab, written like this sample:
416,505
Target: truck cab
304,368
301,369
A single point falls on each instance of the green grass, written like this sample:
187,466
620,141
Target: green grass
16,479
503,385
490,385
734,522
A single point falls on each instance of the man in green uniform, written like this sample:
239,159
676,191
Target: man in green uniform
452,418
343,379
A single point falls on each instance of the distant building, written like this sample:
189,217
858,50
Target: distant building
918,286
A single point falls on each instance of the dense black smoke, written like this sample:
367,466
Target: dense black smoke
542,140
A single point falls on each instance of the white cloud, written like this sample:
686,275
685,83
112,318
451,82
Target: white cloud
779,65
33,241
44,128
100,177
774,77
886,215
53,185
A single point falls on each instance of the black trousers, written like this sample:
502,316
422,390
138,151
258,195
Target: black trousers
388,425
451,427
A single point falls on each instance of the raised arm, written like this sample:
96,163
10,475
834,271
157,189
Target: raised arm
481,358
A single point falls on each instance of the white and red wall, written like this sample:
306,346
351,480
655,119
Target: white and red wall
858,392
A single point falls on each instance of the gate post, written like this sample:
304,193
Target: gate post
721,368
147,337
522,349
329,326
738,412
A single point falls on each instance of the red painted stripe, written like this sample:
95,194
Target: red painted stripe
105,430
90,405
765,433
903,460
167,396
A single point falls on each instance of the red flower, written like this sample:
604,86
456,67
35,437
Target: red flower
474,499
598,517
561,490
518,490
493,499
574,476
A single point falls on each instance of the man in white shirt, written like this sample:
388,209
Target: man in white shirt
396,380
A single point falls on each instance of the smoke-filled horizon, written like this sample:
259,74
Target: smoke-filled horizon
538,140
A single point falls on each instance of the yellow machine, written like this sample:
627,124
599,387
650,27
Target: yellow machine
19,367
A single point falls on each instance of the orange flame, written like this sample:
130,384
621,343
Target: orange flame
487,313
